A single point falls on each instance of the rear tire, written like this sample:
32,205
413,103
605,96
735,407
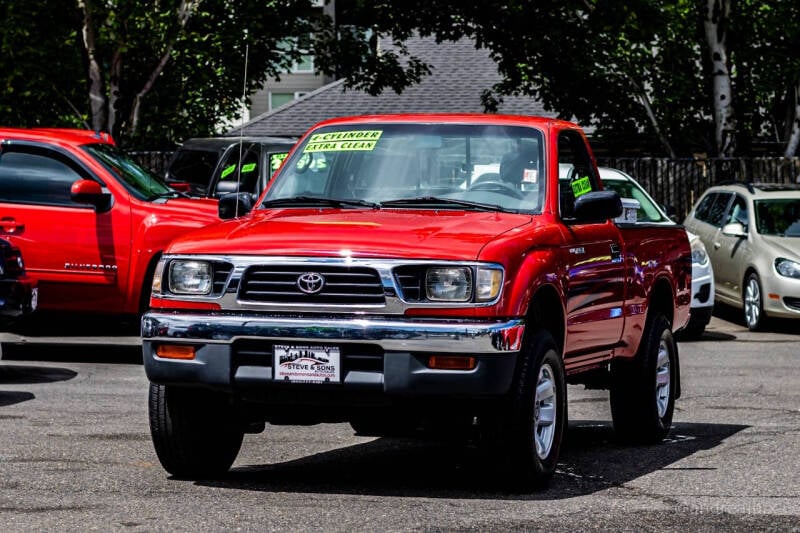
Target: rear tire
533,431
195,432
643,391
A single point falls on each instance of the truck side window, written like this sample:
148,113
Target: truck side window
579,175
36,176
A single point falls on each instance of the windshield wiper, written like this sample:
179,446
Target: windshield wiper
436,200
168,194
304,200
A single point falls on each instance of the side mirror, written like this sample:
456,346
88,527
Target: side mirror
90,192
597,206
734,229
235,205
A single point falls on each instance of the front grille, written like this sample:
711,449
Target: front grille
342,286
221,273
410,279
704,293
792,303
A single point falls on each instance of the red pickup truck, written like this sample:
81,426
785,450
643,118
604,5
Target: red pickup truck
89,221
419,275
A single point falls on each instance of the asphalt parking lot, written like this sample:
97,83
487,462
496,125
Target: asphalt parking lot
75,454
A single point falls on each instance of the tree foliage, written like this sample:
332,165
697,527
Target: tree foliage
159,71
641,69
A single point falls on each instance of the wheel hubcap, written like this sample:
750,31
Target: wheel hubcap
752,303
544,412
662,379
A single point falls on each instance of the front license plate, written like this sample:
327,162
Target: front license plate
307,363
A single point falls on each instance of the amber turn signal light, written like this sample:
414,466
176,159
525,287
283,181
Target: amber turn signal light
451,362
175,351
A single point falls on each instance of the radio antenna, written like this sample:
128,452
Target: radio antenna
241,122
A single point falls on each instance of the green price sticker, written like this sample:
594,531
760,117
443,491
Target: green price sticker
249,167
227,171
343,141
275,160
581,186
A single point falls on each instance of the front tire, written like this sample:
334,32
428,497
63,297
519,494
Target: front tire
643,391
534,428
753,303
195,432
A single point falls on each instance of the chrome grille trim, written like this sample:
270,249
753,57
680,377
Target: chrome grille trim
392,298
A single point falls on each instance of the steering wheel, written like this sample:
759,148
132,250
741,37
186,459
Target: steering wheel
496,186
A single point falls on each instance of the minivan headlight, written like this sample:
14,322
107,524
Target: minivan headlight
787,267
190,277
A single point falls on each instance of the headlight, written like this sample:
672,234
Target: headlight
699,255
787,267
190,277
488,284
448,284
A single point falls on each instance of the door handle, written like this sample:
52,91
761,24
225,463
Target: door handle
9,226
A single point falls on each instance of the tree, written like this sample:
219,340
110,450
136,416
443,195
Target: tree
686,73
153,73
35,37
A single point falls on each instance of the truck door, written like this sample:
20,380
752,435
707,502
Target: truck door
592,259
68,247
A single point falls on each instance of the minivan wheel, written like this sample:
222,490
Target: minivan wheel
753,303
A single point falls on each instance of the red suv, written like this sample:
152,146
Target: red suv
90,222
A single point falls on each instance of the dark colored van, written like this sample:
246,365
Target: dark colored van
213,166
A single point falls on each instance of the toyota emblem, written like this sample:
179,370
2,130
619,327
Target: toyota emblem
310,282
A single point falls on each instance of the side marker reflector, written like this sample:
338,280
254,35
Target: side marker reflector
175,351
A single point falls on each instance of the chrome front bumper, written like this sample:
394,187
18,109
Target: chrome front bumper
404,345
417,336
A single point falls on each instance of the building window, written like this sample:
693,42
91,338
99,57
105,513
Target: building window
305,65
278,99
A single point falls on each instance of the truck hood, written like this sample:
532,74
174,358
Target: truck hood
418,234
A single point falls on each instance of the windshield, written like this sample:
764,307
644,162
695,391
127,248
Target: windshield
138,181
779,217
420,166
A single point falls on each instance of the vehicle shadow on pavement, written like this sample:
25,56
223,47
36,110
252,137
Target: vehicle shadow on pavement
25,375
62,324
591,461
76,353
771,324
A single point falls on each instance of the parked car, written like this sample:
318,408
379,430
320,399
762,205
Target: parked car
89,221
650,212
18,293
752,234
213,166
